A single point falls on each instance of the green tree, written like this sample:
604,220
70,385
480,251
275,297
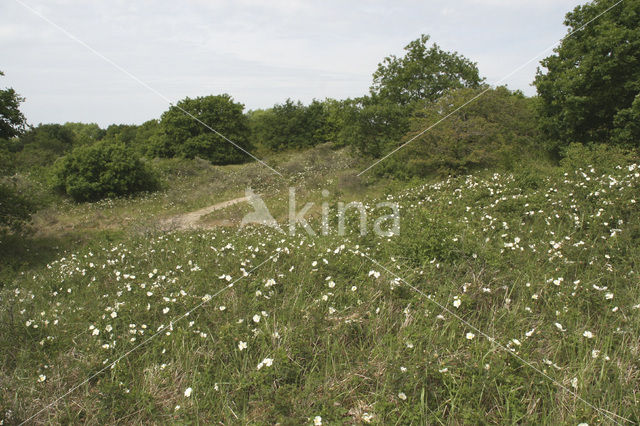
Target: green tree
15,209
423,73
12,121
374,125
290,125
104,169
183,136
590,83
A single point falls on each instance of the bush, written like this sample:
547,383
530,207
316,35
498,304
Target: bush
15,209
498,129
105,169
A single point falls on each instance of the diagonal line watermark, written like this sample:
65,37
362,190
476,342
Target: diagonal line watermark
608,414
142,83
497,83
144,342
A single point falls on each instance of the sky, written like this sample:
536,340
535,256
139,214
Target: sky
259,52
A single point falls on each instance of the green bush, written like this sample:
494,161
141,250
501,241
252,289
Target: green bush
15,209
495,129
105,169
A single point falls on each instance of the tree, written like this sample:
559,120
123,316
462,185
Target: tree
423,73
590,83
15,209
291,125
12,121
374,125
183,136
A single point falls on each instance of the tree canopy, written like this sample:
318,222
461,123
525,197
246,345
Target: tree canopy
12,121
182,135
423,73
590,89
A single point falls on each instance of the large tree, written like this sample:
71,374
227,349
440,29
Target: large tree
590,88
15,209
12,121
181,134
423,73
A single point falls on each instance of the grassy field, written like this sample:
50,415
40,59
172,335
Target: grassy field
505,298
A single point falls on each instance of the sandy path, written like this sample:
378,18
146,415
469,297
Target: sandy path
190,220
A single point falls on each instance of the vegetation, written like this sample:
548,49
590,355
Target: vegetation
104,169
589,90
424,73
185,130
509,294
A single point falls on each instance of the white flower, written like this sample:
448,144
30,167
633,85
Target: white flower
222,308
559,326
165,310
595,353
375,274
402,396
95,332
367,417
608,296
331,284
457,302
187,392
267,362
256,318
242,345
470,336
317,421
588,334
354,288
574,383
42,378
114,314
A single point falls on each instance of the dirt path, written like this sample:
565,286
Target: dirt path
190,220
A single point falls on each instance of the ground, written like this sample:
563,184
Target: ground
504,298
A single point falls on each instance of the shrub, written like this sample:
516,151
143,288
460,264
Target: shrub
15,209
497,129
105,169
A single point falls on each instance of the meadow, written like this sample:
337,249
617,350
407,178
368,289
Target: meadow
507,297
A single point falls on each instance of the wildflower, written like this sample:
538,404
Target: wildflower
595,353
222,308
165,310
187,392
559,326
354,288
256,318
267,362
317,421
331,284
470,336
375,274
588,334
242,345
402,396
42,378
608,296
114,314
457,302
367,417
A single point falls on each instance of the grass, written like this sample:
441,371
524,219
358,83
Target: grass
544,261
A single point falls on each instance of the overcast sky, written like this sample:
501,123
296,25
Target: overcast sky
260,52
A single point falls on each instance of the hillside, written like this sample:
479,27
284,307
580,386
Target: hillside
507,297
